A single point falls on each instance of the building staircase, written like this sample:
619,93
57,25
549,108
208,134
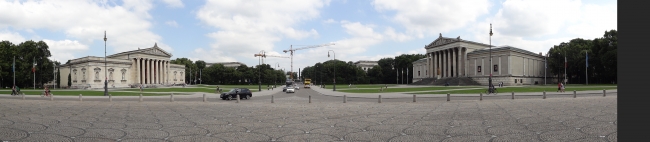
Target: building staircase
453,81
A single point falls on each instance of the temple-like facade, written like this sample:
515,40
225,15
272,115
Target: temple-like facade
148,66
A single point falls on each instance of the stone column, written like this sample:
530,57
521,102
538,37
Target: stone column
465,62
453,63
457,59
137,70
499,65
428,66
433,64
149,71
447,63
157,71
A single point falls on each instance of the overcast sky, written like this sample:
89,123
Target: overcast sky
234,30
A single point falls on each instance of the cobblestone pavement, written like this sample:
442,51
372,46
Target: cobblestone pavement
291,118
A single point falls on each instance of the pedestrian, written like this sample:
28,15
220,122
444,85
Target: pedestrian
563,87
559,87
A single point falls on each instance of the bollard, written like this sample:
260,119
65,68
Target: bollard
513,95
171,97
544,95
414,98
481,98
237,98
604,93
574,93
23,96
345,99
51,97
448,96
140,97
271,98
309,98
203,97
110,98
81,100
379,98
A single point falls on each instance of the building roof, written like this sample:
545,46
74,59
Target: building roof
440,41
145,51
506,47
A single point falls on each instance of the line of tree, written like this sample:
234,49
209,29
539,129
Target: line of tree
26,54
602,55
388,71
219,74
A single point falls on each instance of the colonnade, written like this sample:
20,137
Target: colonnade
452,62
151,71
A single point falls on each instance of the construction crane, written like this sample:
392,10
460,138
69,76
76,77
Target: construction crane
263,55
291,50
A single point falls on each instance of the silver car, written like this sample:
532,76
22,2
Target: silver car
291,90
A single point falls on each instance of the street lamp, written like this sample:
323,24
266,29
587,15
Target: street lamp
259,74
328,55
490,78
105,67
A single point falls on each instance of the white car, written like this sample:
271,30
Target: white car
291,90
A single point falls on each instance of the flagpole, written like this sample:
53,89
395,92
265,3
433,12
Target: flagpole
586,67
14,70
33,71
545,66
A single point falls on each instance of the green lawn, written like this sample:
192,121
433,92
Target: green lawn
411,89
522,89
89,93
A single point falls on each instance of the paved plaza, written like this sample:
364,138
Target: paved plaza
292,118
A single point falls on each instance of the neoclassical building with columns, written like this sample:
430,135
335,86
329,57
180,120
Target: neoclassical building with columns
148,66
455,57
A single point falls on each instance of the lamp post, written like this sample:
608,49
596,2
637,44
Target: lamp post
328,55
490,78
259,74
392,66
105,67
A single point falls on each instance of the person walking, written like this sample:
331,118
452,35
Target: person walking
559,87
562,86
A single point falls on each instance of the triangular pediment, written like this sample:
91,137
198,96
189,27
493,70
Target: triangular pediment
155,50
442,41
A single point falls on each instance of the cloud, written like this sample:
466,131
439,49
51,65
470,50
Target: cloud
64,50
329,21
431,17
172,23
538,25
174,3
127,26
255,25
535,18
12,37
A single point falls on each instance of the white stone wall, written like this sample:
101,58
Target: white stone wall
510,81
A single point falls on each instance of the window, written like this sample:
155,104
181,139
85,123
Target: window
496,68
97,70
123,74
515,80
478,69
418,73
110,73
83,71
75,74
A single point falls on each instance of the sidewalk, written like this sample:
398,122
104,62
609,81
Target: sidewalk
329,92
264,92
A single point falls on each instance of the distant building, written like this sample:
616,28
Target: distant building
455,57
365,64
226,64
148,66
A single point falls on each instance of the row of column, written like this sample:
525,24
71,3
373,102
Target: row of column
451,62
151,71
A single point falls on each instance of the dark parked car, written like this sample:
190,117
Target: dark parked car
244,93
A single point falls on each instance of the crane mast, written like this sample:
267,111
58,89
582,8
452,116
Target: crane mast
291,50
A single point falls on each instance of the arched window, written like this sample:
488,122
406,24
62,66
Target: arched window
123,74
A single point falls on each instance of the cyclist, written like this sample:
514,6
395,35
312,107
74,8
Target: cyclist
47,91
492,89
13,90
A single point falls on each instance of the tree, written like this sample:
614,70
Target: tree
69,80
200,65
